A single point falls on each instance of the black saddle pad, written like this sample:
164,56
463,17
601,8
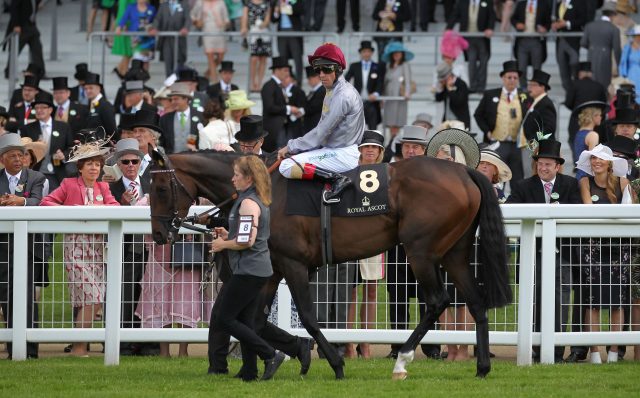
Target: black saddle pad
367,196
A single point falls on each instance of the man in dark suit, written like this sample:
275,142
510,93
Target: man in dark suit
465,13
315,99
220,91
531,16
22,111
16,96
190,77
549,186
275,110
288,15
77,92
55,134
368,79
584,89
499,115
134,98
296,97
540,117
67,111
421,8
251,137
19,187
602,39
101,112
23,22
180,127
570,16
454,93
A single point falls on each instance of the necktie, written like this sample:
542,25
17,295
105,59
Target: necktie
562,10
13,183
531,9
365,66
89,196
547,189
508,98
60,112
183,119
227,89
133,187
45,133
27,111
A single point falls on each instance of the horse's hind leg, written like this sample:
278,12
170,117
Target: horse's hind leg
457,264
297,276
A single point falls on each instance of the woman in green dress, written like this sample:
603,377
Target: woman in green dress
122,44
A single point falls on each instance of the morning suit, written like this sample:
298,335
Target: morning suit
531,50
167,124
16,96
295,128
456,103
583,90
169,19
531,190
602,39
375,84
274,114
215,92
479,50
22,111
101,113
29,186
313,111
75,115
23,14
78,94
567,49
541,116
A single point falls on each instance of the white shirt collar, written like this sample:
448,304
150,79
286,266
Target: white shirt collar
513,94
9,175
48,122
127,182
138,106
316,87
276,79
64,105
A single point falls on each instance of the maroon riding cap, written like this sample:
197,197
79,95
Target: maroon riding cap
330,52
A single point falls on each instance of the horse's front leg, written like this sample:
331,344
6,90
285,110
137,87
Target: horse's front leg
297,276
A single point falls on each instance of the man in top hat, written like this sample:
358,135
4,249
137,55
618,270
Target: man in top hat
23,22
275,107
32,70
330,148
626,123
144,128
220,90
135,72
295,96
190,77
548,185
172,16
55,134
134,98
531,16
101,112
568,16
454,93
368,78
180,127
602,39
251,135
499,115
315,97
584,89
67,111
288,15
22,112
475,16
19,186
77,92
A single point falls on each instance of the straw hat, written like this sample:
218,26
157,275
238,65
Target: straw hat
620,165
489,156
88,150
238,100
39,148
459,138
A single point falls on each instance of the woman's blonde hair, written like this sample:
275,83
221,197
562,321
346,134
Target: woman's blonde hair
3,121
585,117
458,156
252,166
612,183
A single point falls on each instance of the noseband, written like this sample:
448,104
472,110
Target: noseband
174,221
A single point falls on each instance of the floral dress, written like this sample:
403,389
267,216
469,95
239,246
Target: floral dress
260,46
140,21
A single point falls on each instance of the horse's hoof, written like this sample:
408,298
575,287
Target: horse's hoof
482,373
399,376
339,370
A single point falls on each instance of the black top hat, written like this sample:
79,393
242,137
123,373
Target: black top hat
226,66
34,69
126,121
541,78
146,119
43,98
510,66
136,73
31,81
549,149
60,83
372,137
92,78
279,62
366,45
187,75
82,69
626,116
624,145
3,112
250,129
12,127
584,66
311,71
136,64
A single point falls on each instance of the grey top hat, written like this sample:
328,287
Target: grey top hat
424,118
10,141
459,138
127,146
133,86
414,135
180,89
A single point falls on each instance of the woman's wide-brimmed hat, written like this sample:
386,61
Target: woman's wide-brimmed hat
634,31
489,156
250,129
591,104
39,148
620,165
238,100
89,150
394,47
459,138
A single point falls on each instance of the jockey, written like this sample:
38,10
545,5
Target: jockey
332,146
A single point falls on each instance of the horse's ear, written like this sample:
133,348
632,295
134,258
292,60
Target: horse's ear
156,156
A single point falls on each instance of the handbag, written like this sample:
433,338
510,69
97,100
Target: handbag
188,255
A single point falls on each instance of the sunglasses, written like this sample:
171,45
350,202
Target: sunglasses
326,69
129,161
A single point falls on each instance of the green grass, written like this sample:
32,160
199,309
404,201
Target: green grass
154,377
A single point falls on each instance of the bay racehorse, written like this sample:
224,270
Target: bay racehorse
435,208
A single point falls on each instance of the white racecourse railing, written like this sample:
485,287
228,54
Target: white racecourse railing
524,221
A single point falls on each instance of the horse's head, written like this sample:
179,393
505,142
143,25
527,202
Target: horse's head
169,199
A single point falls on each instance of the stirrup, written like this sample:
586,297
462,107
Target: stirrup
329,201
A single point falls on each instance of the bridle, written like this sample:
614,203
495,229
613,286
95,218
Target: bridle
173,220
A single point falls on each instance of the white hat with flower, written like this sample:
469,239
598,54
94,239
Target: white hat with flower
620,165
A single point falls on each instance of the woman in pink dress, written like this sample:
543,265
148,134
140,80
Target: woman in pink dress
84,253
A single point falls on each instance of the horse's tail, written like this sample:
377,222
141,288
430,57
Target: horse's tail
494,270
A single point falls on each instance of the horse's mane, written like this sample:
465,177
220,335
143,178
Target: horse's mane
228,156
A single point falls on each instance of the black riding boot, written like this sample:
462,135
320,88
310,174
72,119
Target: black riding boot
338,183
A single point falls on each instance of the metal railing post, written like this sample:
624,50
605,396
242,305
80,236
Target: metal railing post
114,294
53,52
14,46
525,298
103,68
20,280
548,298
83,15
